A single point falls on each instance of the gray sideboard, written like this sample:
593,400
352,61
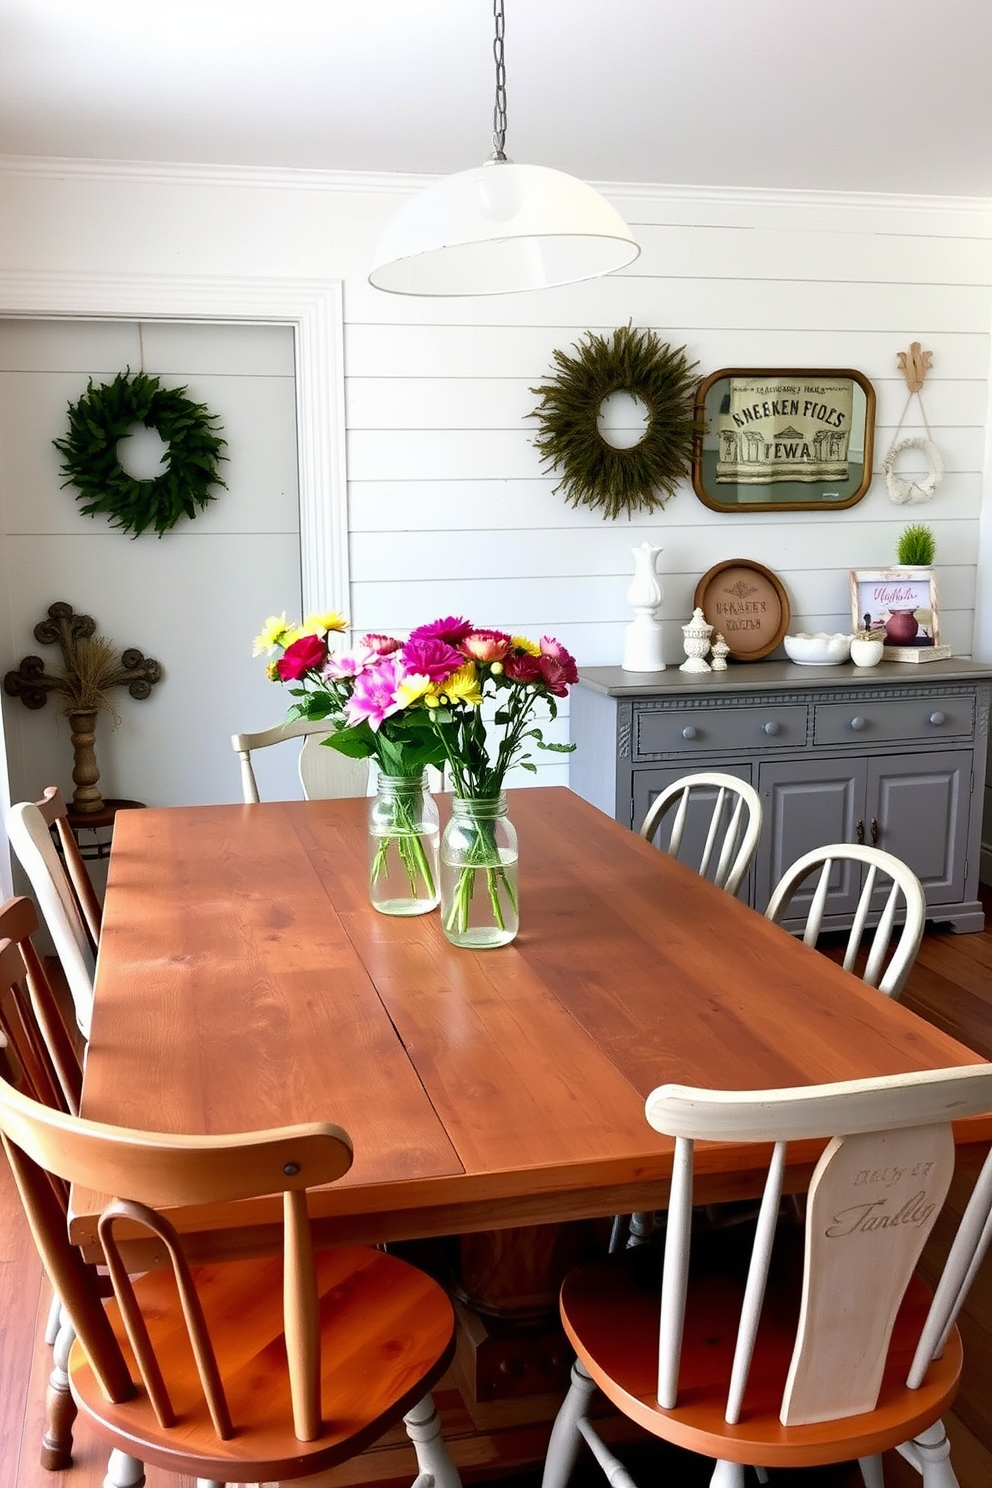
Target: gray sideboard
893,755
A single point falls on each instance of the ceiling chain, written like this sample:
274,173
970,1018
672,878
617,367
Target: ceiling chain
499,108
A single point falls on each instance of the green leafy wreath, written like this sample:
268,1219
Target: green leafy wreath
593,472
103,416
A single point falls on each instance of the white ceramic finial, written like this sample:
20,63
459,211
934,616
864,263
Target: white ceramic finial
696,643
642,649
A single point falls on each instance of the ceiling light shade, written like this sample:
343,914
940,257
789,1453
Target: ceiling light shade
501,228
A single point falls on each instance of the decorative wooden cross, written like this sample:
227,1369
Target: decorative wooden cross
90,669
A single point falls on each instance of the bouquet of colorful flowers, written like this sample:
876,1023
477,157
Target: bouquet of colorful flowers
419,702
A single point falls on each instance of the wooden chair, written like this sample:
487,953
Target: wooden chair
324,773
247,1370
724,811
830,1351
41,1058
904,901
62,888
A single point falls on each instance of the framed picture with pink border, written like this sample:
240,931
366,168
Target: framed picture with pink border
900,602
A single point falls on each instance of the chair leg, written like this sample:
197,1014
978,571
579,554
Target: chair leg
563,1446
930,1454
642,1227
423,1427
60,1408
124,1471
52,1325
727,1475
871,1472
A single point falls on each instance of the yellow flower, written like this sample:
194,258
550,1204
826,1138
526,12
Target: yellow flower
412,688
272,634
328,620
462,686
521,643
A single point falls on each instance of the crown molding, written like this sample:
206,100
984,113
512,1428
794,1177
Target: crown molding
290,179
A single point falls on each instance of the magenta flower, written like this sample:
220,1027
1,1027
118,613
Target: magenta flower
558,663
374,698
453,629
429,656
382,645
520,666
302,656
487,645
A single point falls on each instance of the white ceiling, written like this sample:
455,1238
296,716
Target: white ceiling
847,95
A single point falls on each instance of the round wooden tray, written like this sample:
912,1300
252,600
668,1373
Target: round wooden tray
746,604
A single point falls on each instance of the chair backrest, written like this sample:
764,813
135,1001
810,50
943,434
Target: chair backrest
324,772
893,943
62,909
41,1050
146,1170
724,811
873,1199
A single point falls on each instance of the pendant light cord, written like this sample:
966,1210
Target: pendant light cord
499,107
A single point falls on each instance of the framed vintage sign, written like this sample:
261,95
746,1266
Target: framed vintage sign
745,603
783,439
901,603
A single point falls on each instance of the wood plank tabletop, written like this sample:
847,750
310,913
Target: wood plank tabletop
244,981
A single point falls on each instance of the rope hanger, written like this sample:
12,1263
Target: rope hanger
914,364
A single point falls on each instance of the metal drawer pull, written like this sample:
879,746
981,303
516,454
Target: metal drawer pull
688,732
938,718
857,723
859,833
772,727
874,831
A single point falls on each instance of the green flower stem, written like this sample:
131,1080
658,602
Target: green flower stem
486,855
409,844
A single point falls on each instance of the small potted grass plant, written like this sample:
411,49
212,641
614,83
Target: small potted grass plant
916,547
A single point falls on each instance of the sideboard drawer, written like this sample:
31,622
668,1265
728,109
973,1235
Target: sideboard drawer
699,730
902,720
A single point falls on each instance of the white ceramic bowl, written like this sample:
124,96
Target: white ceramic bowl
818,650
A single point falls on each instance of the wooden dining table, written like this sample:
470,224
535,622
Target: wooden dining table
244,981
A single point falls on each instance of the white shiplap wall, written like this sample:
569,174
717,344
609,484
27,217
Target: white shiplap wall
448,507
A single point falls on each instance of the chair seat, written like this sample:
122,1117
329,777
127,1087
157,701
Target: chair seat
610,1313
388,1332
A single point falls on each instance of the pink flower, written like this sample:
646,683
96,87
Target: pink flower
486,645
302,656
520,666
348,664
374,698
550,648
429,656
382,645
453,629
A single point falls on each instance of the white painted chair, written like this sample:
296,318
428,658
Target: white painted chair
324,773
73,927
899,927
834,1351
730,811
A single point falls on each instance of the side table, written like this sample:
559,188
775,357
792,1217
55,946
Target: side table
100,824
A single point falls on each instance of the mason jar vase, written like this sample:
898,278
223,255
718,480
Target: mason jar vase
479,907
403,846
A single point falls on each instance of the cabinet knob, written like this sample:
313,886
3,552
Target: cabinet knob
938,718
771,727
857,723
689,732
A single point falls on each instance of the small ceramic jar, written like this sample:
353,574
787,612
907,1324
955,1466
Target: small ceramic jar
867,652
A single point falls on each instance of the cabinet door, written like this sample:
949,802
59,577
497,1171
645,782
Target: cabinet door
648,785
918,808
808,804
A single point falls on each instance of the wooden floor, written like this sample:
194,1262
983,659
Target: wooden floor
951,985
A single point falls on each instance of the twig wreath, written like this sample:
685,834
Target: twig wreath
103,416
593,472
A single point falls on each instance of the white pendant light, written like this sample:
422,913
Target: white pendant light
501,227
